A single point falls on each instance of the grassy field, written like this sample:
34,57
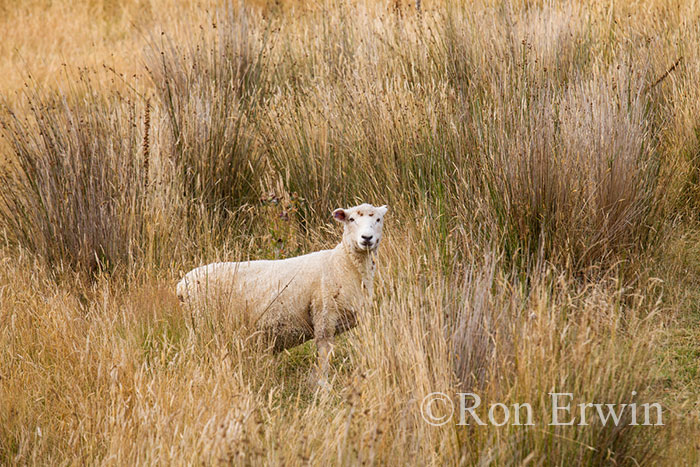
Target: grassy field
542,165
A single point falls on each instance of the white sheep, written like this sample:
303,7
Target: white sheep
317,295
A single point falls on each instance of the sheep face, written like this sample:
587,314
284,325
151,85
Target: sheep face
363,226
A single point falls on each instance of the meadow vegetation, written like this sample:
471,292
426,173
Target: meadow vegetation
541,162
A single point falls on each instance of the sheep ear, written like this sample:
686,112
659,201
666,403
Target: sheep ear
383,209
339,215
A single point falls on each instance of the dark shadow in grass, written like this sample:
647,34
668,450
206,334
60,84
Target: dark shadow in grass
296,371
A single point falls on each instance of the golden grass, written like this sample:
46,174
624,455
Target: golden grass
42,37
542,237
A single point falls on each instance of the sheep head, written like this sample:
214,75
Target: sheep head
363,226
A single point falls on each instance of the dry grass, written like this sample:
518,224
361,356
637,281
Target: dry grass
41,37
541,165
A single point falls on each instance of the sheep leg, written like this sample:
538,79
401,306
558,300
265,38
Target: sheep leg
324,322
325,350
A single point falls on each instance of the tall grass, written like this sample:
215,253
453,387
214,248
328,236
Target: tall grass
574,174
209,91
76,191
539,163
563,132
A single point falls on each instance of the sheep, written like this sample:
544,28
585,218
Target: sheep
314,296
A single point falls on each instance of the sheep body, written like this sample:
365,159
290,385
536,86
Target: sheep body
281,297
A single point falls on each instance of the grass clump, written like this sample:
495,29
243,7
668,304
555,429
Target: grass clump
209,92
75,190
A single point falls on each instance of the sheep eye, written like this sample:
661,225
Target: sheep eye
378,219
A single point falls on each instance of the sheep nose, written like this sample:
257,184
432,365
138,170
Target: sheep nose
367,238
